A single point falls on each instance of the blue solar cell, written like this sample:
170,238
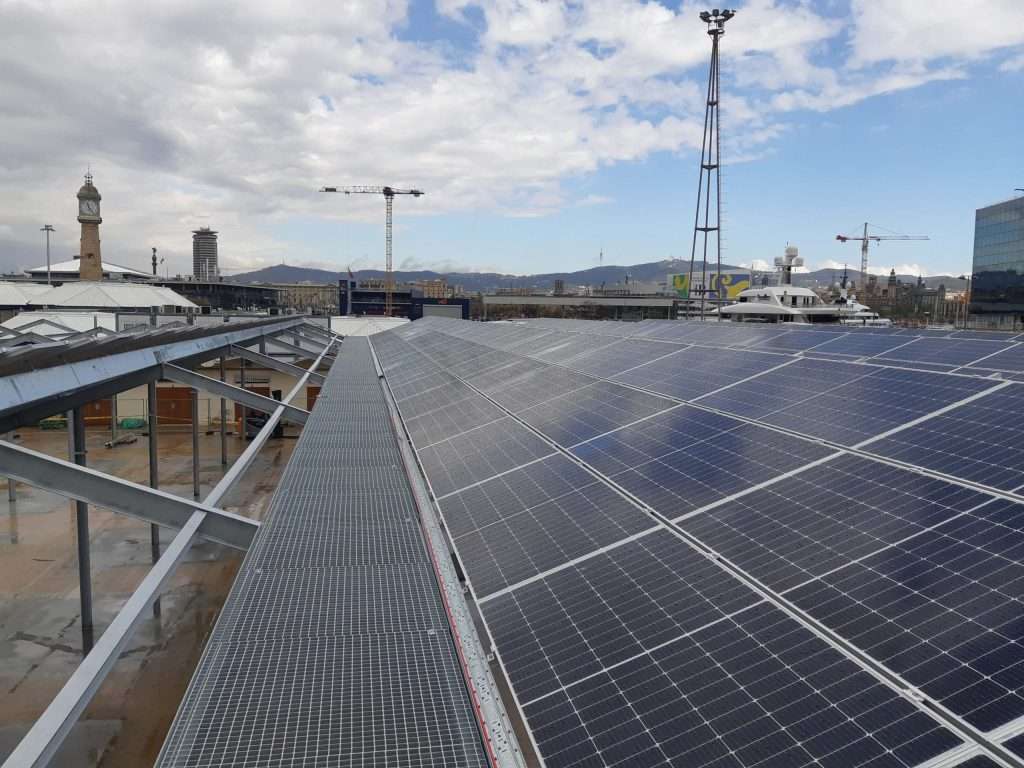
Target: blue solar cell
480,454
527,542
621,356
789,385
818,520
654,437
592,411
696,371
1011,360
756,689
606,609
942,609
860,344
981,441
870,405
948,352
706,471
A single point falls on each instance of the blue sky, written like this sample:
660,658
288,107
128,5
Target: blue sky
542,132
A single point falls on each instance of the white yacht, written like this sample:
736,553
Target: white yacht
786,303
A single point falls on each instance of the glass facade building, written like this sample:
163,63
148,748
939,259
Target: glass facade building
998,271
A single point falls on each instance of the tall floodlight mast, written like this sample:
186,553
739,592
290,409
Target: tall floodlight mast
710,155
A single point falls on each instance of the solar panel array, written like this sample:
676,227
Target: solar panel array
333,647
702,544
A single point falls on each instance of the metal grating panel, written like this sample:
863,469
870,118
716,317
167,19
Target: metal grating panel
333,647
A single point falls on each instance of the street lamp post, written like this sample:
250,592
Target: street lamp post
47,228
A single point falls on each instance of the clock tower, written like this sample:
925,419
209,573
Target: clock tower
90,266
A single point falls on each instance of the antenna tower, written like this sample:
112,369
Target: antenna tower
704,223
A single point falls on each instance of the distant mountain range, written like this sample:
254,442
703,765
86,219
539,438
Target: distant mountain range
650,272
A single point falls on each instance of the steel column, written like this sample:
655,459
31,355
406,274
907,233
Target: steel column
195,443
154,474
245,411
77,426
223,422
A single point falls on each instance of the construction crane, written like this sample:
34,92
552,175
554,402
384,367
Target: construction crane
866,238
389,200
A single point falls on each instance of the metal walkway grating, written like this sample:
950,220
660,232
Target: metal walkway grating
333,647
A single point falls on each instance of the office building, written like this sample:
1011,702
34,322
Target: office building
997,290
204,254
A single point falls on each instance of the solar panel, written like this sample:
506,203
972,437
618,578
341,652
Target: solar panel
591,411
950,353
480,454
694,372
981,441
620,356
1011,360
820,519
869,405
754,689
625,645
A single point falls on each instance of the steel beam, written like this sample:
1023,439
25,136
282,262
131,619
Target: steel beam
242,462
317,330
297,350
26,397
48,732
274,364
123,496
248,398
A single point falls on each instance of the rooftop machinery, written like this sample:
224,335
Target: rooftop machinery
389,199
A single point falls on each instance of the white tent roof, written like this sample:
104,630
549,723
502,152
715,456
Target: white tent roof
72,266
364,326
70,321
19,294
112,295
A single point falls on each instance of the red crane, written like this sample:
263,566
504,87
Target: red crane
389,200
866,238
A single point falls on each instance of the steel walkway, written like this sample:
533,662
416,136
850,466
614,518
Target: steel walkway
333,647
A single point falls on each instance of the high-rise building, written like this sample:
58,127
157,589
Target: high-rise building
204,254
997,285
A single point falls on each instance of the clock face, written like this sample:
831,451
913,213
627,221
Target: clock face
89,208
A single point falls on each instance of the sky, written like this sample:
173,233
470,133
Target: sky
542,133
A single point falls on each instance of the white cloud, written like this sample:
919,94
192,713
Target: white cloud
907,30
232,114
1013,64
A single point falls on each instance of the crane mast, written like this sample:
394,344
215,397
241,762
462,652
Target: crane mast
389,205
865,239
